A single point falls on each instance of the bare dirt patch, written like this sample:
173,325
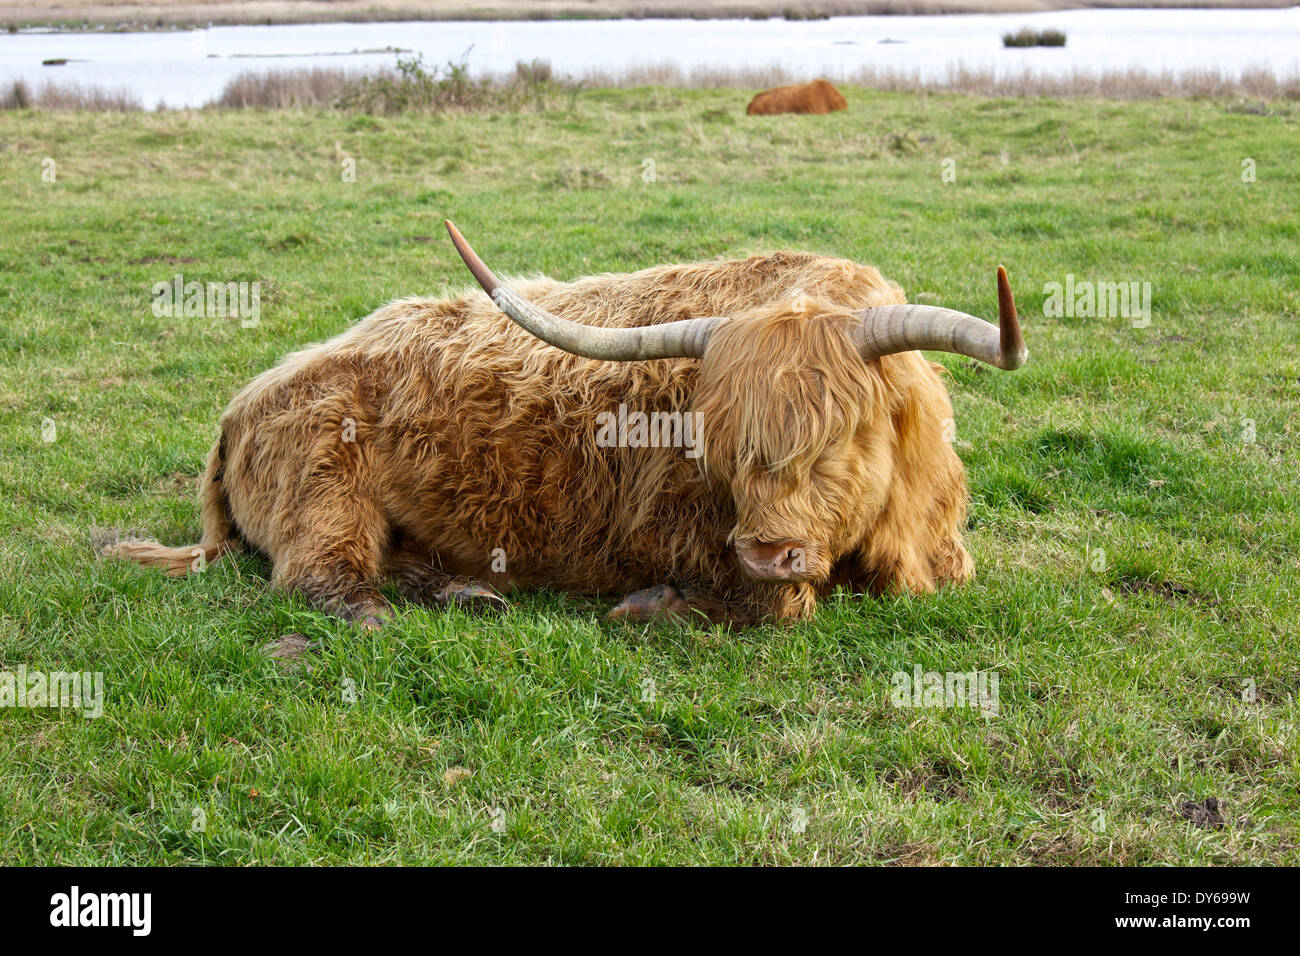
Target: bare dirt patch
287,649
1171,591
1204,814
167,260
940,783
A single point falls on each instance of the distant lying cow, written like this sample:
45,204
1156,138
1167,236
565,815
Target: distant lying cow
815,97
454,450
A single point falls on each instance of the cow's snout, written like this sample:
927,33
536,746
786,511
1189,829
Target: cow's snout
774,560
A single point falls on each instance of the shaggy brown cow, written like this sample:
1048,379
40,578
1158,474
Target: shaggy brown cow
440,445
819,97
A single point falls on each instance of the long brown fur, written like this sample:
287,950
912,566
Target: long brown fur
819,96
469,435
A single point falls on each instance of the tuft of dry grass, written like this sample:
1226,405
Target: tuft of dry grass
64,95
1131,84
286,89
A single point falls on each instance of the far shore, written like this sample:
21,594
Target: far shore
108,15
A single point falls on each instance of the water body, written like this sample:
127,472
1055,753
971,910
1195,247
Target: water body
190,68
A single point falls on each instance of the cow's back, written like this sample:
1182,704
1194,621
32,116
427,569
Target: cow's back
817,97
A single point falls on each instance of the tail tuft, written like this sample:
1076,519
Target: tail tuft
217,530
177,562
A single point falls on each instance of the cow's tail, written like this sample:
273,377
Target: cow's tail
219,535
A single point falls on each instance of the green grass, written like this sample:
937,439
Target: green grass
1120,688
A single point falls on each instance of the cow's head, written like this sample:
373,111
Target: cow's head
792,402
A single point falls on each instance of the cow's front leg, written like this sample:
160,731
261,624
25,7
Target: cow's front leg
740,607
470,594
420,580
663,602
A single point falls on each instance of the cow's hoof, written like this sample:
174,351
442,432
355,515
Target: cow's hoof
471,596
367,613
662,602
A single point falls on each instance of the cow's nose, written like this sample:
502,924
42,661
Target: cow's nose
773,560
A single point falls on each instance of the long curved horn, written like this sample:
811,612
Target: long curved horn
901,328
682,339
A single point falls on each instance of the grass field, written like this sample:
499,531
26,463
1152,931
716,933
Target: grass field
1133,513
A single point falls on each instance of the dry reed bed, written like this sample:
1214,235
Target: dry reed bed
183,13
64,95
1111,84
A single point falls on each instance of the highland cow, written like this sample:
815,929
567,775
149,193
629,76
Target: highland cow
818,97
446,447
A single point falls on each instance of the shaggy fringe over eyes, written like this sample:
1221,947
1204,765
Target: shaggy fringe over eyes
811,391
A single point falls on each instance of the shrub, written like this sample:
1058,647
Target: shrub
450,88
1027,36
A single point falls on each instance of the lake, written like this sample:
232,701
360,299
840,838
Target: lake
189,68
